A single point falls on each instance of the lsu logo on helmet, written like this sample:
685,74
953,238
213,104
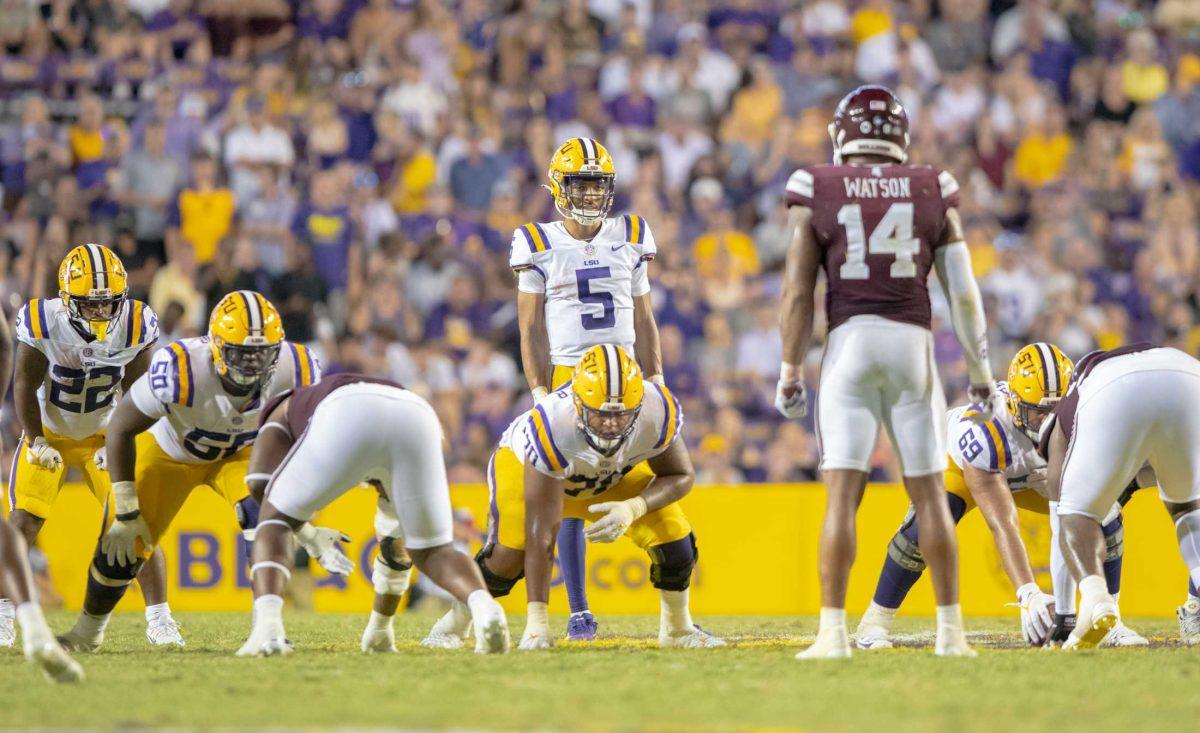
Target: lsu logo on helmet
245,333
1038,377
582,180
93,286
607,388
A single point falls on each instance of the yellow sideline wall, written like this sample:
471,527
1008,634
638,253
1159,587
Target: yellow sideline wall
758,555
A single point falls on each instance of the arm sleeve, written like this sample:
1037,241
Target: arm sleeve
1060,575
948,184
966,308
799,189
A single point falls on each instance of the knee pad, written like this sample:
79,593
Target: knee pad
905,549
388,580
393,554
113,574
958,506
672,564
1114,539
496,585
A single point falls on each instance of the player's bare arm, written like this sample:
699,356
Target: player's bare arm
126,423
543,515
535,341
673,480
646,346
270,447
31,367
137,367
6,351
952,259
796,310
119,544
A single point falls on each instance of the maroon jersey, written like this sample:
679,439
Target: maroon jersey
877,226
305,400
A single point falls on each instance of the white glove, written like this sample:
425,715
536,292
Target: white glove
119,544
1037,613
40,453
791,400
537,628
101,459
618,515
538,393
323,544
985,402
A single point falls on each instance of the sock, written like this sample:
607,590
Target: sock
1093,587
268,609
88,626
572,557
832,617
895,581
7,610
33,624
480,602
1112,568
1187,530
379,622
878,615
157,612
676,612
950,615
1193,594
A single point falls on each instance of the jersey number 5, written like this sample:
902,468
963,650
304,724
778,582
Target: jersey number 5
893,236
584,278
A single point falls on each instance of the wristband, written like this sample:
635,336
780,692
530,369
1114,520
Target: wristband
537,615
125,498
306,532
789,373
538,393
657,379
637,505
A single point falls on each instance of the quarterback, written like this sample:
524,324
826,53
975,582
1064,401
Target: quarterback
75,354
603,448
581,282
995,466
190,422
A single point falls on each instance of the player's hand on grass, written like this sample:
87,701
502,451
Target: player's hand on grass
618,515
324,545
100,458
120,541
985,402
40,453
1037,614
1064,624
791,399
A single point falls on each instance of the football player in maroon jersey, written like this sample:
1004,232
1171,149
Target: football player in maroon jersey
877,226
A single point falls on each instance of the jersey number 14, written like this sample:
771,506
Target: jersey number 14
893,235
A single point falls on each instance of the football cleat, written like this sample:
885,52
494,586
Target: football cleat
377,641
450,630
582,627
491,633
870,636
1189,622
952,642
1093,624
56,664
831,643
8,632
693,638
163,633
73,641
274,646
1122,635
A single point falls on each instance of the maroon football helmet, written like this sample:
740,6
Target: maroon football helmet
870,121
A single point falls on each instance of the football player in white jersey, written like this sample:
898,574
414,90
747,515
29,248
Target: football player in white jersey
75,353
582,281
995,466
190,422
604,449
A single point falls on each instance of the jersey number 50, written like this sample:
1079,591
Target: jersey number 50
93,390
210,446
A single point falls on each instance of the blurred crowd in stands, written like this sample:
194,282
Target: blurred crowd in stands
363,163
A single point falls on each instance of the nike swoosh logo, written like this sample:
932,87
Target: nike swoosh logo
617,247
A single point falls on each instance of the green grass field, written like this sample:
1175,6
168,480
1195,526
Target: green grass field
621,683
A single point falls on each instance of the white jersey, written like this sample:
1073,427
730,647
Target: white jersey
589,286
198,421
84,373
996,446
548,436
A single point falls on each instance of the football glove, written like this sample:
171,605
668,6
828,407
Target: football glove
791,399
323,544
537,628
1037,613
618,515
119,544
40,453
985,402
1064,624
100,458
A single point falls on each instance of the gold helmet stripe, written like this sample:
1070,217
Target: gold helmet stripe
1049,367
99,271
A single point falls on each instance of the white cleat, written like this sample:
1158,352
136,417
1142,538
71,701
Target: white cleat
56,664
1122,635
450,631
491,632
266,641
8,632
1189,622
436,640
870,636
831,643
693,638
164,633
379,641
952,642
1093,624
73,641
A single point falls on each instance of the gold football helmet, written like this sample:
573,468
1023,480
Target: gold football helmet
608,390
92,285
245,334
1037,378
582,180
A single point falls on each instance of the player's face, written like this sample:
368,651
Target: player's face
589,194
609,425
1035,416
97,309
249,364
